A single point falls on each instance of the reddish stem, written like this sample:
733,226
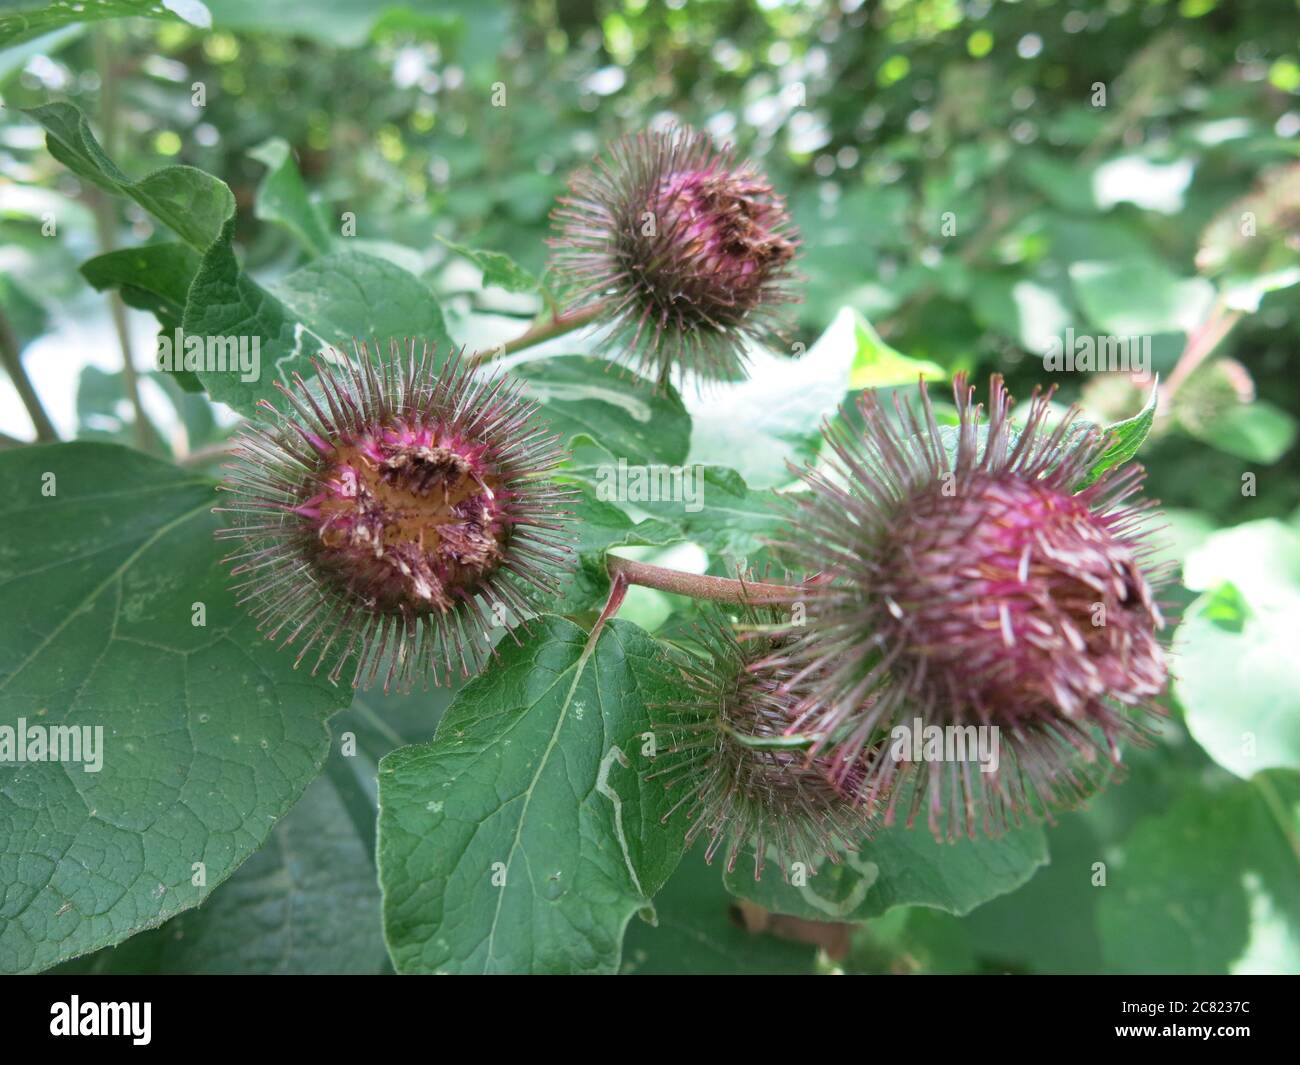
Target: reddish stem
698,586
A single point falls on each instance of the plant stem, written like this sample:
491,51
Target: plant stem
697,586
13,363
1201,344
539,332
104,223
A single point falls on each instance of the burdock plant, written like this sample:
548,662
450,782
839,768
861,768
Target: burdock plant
395,514
684,252
744,783
966,582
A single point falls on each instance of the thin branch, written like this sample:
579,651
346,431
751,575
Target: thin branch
13,363
698,586
1201,344
538,333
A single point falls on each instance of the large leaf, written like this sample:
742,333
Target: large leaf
1210,886
696,933
526,835
1236,675
1259,431
757,426
1025,929
329,301
1132,299
900,867
21,20
307,901
192,203
154,278
208,733
592,400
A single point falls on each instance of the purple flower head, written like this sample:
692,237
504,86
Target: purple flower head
687,252
394,515
964,582
747,783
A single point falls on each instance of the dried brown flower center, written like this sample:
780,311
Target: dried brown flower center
413,530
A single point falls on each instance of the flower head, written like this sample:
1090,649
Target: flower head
393,515
748,784
966,583
687,252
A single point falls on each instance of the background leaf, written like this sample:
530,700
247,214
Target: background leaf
209,734
901,867
1210,886
282,197
1236,674
697,933
591,400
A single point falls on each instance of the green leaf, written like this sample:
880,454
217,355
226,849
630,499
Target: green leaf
1257,432
208,734
1262,558
348,294
1236,648
1126,438
1246,292
601,526
24,19
1025,929
498,269
327,302
154,278
716,508
99,411
343,23
308,901
758,426
1209,886
194,204
877,365
282,197
696,935
901,867
1034,312
588,399
1129,299
526,835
